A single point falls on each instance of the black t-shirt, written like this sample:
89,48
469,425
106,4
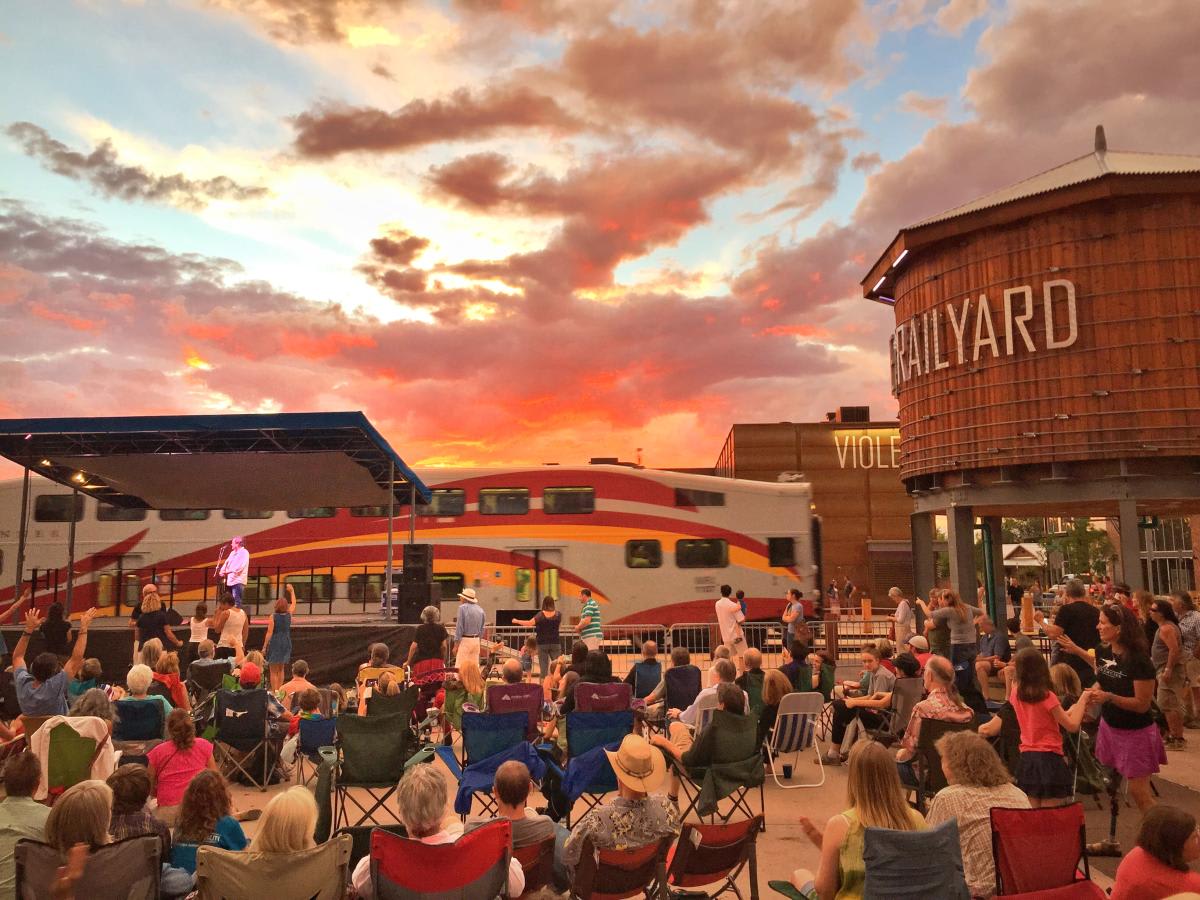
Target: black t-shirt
1078,620
547,626
1015,593
153,625
56,632
1117,675
429,640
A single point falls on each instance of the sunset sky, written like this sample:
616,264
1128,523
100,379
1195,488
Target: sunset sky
520,231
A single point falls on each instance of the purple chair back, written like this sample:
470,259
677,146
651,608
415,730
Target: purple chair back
524,697
603,697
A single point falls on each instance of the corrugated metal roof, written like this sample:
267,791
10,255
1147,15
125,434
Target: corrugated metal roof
1085,168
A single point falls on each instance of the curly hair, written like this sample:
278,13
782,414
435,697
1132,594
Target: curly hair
205,801
181,729
972,760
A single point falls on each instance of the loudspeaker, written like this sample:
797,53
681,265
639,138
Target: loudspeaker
412,598
418,564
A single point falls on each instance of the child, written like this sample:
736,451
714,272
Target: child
527,654
1042,771
310,708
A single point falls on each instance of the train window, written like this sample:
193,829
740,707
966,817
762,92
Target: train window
1,562
57,507
248,513
183,515
312,512
689,497
311,587
643,554
568,501
709,553
503,501
444,502
368,512
106,512
781,551
259,589
365,587
451,583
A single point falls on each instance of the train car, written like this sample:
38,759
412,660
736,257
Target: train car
653,546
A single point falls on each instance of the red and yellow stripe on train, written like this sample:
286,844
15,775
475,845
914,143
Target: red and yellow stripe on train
702,531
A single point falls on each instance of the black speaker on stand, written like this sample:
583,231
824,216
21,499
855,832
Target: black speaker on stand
412,598
417,562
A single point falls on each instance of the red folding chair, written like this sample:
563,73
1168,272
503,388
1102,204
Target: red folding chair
1040,850
474,866
715,855
537,862
591,697
618,874
524,697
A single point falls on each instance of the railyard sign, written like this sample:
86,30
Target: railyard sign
959,333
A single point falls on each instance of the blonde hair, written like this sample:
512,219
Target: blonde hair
1064,680
471,677
775,687
256,657
873,789
971,760
387,685
954,602
151,651
287,823
151,601
80,816
167,663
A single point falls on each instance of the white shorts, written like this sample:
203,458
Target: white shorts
593,643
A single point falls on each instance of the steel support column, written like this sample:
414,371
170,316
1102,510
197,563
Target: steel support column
999,582
960,535
923,558
1131,554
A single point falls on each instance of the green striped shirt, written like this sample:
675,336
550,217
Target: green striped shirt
591,629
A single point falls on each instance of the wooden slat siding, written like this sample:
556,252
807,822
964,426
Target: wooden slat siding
1137,289
855,504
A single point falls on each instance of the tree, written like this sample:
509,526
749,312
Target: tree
1017,531
1083,548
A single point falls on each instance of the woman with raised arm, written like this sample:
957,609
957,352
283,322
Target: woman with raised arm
277,646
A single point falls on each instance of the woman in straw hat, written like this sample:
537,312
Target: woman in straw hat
634,818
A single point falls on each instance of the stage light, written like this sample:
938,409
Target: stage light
45,463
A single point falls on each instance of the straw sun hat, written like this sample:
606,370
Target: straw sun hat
638,765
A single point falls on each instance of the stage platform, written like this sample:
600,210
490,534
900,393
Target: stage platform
333,645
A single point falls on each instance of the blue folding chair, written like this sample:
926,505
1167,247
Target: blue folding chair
484,736
914,864
311,737
138,728
794,732
587,733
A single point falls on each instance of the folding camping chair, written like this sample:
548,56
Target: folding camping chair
474,866
614,697
715,854
311,736
204,681
1041,850
645,677
138,728
320,873
537,862
617,874
360,839
484,735
588,774
794,732
704,712
402,703
125,870
906,693
681,687
752,684
914,864
73,746
371,758
927,762
735,771
522,697
243,730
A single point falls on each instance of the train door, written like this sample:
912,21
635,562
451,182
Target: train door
117,582
532,584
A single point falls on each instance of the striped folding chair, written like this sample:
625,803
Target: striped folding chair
794,732
704,712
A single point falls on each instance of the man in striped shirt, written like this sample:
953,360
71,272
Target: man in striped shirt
589,620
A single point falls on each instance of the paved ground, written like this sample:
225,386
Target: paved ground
783,848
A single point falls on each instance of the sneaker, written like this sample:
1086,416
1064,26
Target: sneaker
1175,743
1104,848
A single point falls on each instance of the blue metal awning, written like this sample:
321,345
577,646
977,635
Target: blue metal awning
243,461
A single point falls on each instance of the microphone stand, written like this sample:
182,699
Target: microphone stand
217,570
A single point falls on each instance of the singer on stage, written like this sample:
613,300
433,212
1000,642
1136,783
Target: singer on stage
235,568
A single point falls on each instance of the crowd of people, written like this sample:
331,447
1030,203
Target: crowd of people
1115,666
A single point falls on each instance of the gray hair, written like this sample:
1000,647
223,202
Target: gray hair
1075,589
421,800
94,702
725,670
431,615
139,678
680,656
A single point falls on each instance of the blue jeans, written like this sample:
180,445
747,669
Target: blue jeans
237,590
562,875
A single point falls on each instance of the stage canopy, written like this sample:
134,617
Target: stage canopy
279,461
